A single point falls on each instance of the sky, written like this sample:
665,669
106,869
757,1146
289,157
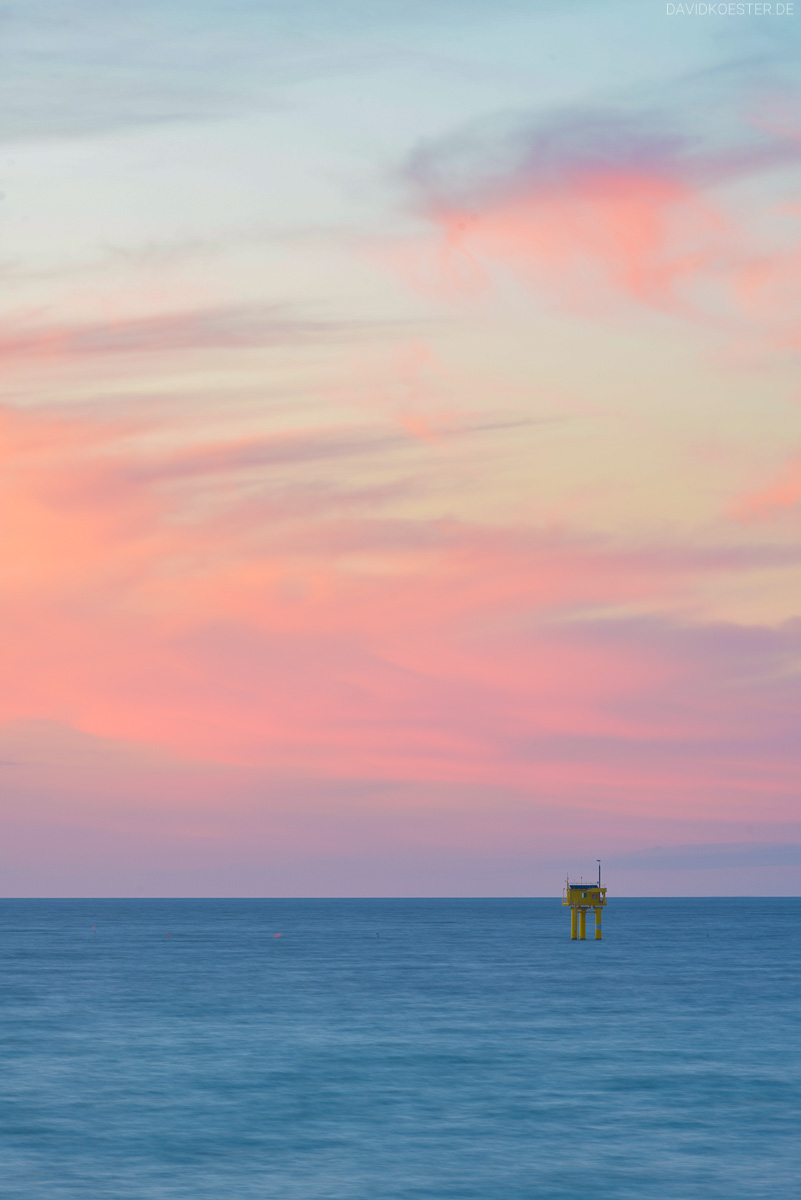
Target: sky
400,448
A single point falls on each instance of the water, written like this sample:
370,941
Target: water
471,1051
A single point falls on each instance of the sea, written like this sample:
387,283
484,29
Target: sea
399,1050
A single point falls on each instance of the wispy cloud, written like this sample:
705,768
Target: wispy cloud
511,153
712,856
91,68
591,207
782,495
219,328
246,627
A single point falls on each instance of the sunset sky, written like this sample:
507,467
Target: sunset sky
401,448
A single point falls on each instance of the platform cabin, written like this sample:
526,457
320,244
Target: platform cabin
580,898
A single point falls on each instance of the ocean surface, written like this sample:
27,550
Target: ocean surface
399,1050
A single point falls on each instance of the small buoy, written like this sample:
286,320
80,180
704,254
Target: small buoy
275,935
168,935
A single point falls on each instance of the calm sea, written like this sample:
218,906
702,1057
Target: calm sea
471,1050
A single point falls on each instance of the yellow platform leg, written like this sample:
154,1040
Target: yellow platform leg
573,923
582,924
598,912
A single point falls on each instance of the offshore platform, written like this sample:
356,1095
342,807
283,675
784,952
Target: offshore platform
580,898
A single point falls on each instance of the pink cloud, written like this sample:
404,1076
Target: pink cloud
782,495
635,234
592,211
352,645
768,286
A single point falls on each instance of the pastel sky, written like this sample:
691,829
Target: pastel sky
400,448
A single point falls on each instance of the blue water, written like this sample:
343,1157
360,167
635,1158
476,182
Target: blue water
471,1051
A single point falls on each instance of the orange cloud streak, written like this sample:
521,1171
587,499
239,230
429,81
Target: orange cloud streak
780,496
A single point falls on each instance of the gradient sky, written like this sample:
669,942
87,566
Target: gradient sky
401,448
